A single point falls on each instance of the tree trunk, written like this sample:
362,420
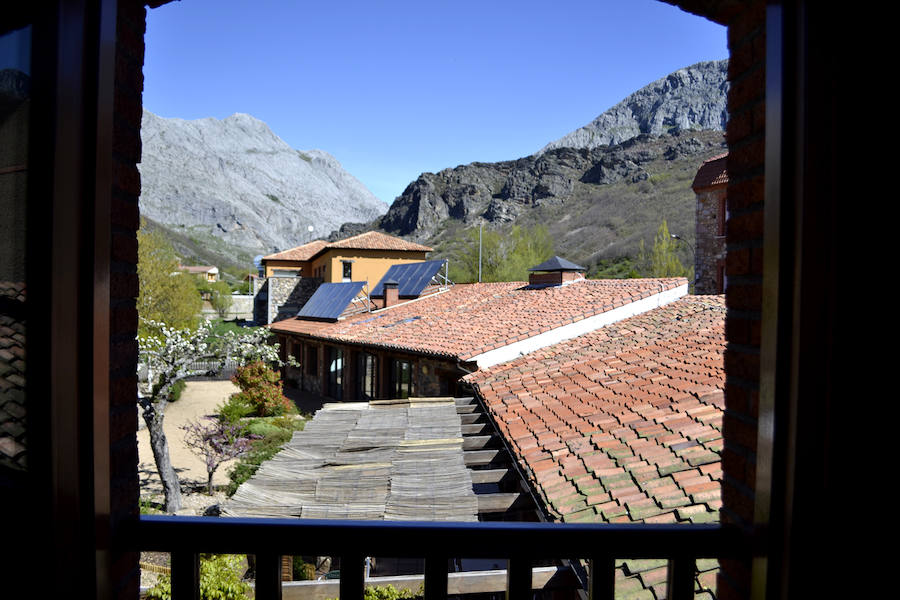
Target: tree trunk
171,487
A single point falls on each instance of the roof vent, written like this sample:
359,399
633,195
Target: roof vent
555,271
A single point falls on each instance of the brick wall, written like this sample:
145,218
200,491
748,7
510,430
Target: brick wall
710,247
129,84
746,21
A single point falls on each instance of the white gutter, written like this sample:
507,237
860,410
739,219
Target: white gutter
567,332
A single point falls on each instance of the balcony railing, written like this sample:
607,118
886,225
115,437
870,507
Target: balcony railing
519,543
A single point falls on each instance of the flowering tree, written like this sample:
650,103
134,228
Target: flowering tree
175,354
215,442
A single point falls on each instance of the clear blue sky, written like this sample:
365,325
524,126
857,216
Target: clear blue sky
393,89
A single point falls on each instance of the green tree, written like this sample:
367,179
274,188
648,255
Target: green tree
220,298
663,259
165,295
503,257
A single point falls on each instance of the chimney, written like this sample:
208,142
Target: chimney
554,272
391,293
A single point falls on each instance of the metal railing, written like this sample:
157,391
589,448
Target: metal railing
520,543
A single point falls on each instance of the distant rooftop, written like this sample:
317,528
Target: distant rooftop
300,253
370,240
712,172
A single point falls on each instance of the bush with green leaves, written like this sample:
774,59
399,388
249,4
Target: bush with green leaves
262,450
235,408
389,592
261,388
220,579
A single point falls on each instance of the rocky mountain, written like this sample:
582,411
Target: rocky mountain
597,203
600,189
693,98
234,184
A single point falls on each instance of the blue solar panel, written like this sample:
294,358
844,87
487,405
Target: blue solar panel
330,300
411,277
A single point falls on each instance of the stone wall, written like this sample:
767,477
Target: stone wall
709,252
279,298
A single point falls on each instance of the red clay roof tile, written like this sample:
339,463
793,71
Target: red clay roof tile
712,172
650,449
469,319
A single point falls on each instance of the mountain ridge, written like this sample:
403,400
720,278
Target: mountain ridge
235,179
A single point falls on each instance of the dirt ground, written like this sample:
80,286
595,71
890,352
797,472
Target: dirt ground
199,399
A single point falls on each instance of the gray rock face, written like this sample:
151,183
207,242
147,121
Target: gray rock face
692,98
501,192
235,179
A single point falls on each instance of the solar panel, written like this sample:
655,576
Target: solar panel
330,300
411,277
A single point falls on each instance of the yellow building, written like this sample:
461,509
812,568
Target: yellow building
363,257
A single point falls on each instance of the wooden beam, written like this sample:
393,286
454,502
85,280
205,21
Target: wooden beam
469,418
474,458
476,442
465,410
501,502
474,428
489,475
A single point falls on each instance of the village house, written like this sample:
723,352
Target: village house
72,490
363,257
208,273
288,279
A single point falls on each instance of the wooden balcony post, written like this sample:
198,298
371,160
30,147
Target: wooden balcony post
185,576
353,577
436,578
602,578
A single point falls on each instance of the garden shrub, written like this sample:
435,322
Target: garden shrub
235,408
261,451
261,388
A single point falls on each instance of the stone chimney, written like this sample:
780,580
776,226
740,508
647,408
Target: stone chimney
391,293
553,272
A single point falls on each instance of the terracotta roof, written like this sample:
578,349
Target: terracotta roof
623,424
374,240
712,172
304,252
470,319
371,240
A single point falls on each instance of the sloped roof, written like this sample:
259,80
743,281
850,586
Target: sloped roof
374,240
470,319
712,172
300,253
623,424
370,240
557,264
